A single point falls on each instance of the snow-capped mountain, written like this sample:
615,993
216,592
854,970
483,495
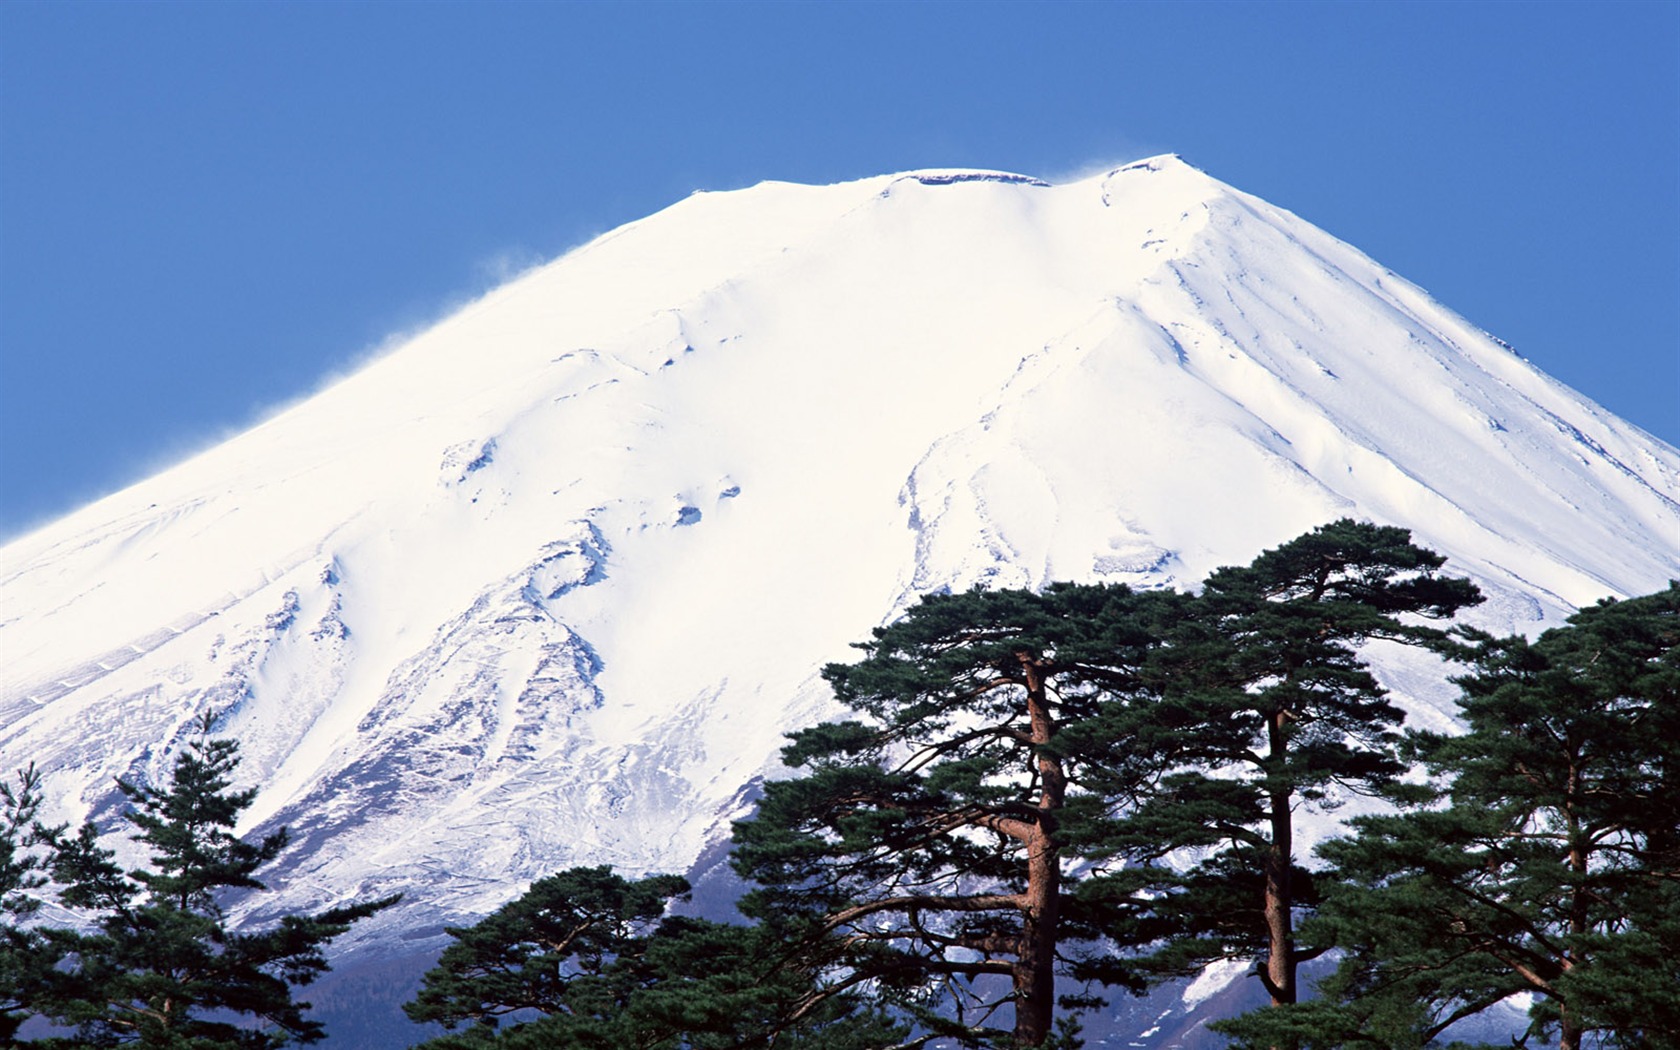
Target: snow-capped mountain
546,585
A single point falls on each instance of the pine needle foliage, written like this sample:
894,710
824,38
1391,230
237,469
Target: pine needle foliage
924,844
540,952
162,968
1549,863
587,960
1266,708
26,957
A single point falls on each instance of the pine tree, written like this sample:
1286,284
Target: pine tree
545,953
923,847
583,960
1553,868
1266,707
162,968
26,957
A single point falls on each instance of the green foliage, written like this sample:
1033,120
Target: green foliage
21,867
584,960
529,954
1265,707
1164,739
26,957
711,986
922,846
1551,863
161,968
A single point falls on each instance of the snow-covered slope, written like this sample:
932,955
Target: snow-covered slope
546,585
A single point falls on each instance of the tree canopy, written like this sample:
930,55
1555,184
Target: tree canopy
589,960
926,840
26,957
159,965
1266,706
1544,860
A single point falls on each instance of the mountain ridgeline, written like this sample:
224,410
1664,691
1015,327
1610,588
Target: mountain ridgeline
546,586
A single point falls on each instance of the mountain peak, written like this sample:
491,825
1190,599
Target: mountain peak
950,176
1159,162
546,585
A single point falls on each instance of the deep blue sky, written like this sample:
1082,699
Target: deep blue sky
207,208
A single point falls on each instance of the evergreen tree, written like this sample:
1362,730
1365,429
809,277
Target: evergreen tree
162,968
544,953
584,961
1266,707
26,957
923,848
1554,866
718,986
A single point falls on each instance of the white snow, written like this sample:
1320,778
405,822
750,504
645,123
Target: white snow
546,584
1214,978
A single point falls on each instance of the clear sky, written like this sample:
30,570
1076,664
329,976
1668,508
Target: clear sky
206,209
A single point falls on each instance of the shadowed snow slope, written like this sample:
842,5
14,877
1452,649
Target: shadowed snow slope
547,584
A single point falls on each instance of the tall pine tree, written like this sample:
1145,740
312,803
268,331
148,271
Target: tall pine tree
26,957
1265,707
1550,861
162,968
925,843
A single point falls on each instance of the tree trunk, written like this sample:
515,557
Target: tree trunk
1569,1033
1570,1030
1035,966
1280,893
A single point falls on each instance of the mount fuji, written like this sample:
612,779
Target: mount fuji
546,584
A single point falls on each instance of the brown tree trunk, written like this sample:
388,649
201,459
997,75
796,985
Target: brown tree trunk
1280,892
1569,1033
1035,966
1570,1030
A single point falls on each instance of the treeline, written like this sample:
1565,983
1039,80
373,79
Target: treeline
1036,797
